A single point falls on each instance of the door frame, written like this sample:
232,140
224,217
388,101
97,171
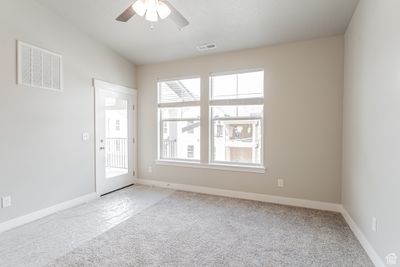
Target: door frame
99,85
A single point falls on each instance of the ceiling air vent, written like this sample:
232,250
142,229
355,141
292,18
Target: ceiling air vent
206,47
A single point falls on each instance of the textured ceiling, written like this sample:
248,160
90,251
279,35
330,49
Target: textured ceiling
230,24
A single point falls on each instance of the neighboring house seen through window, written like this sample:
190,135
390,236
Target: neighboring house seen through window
190,151
117,125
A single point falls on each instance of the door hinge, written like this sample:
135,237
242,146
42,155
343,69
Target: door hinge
134,173
133,107
134,140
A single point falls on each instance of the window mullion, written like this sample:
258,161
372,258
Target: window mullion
204,122
237,102
236,118
183,119
179,104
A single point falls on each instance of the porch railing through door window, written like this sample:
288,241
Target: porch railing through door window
117,153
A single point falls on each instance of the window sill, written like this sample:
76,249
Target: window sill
212,166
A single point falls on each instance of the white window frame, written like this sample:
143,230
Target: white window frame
160,129
234,102
207,163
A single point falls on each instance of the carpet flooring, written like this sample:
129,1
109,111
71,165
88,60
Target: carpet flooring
188,229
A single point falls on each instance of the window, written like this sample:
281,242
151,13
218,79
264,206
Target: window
191,127
179,118
165,129
220,130
236,115
117,125
236,119
190,151
118,145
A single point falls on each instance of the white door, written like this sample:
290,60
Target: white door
115,136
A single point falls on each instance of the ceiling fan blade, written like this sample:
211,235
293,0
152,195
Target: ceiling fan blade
126,15
177,17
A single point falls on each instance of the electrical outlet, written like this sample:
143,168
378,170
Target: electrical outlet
150,169
85,136
281,183
374,225
6,202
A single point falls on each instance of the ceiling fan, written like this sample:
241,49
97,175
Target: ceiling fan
152,10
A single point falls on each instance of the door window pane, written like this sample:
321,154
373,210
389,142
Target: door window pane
116,136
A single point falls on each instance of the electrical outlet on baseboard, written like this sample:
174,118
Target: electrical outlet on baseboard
6,201
281,182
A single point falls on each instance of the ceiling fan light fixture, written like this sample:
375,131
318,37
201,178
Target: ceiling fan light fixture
151,14
163,10
152,10
140,7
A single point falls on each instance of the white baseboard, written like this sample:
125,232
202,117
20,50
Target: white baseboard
245,195
5,226
362,239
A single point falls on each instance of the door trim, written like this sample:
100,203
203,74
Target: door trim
102,85
113,87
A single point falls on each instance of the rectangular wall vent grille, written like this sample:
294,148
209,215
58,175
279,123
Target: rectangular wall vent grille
39,68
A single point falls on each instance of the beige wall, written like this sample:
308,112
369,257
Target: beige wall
42,158
303,103
371,132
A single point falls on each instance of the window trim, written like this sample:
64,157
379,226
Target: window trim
185,77
238,71
237,102
212,166
180,104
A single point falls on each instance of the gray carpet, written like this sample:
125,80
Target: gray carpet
188,229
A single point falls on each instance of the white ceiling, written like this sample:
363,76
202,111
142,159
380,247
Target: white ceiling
230,24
